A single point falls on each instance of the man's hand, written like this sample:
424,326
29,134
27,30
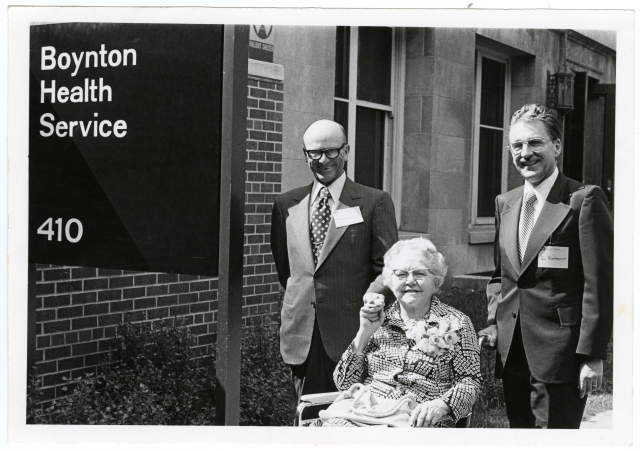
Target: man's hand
428,413
371,318
491,333
590,376
372,312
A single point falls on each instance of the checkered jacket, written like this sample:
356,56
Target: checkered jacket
391,369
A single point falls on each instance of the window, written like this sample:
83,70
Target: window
369,68
490,158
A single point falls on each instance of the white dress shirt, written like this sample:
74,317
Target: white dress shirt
541,191
335,189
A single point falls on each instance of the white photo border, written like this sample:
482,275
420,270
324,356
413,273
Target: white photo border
17,144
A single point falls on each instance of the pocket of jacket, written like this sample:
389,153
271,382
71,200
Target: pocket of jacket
570,316
557,239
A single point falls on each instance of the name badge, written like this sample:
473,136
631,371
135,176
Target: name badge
347,216
553,257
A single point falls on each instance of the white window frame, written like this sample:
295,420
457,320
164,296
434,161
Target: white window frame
394,119
482,52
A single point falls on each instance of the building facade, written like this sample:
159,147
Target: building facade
426,112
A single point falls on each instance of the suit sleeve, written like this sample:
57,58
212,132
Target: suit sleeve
596,248
279,244
384,231
378,286
494,287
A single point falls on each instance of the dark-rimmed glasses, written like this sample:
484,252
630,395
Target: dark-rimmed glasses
534,144
316,154
417,274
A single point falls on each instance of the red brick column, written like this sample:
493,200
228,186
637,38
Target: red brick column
264,177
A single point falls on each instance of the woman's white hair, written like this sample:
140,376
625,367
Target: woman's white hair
421,246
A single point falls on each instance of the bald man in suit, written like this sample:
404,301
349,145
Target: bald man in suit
328,241
551,294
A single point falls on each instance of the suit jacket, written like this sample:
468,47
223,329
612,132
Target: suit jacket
352,256
565,314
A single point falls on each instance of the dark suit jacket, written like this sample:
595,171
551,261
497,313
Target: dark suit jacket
565,314
352,256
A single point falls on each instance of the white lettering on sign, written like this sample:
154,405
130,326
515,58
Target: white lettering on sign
47,229
103,128
91,92
114,59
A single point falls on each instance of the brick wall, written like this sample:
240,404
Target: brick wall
78,309
264,177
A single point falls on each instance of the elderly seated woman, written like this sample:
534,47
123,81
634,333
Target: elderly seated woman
417,345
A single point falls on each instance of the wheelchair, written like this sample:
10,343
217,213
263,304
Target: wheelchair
310,406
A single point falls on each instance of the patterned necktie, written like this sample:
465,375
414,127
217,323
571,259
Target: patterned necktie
319,224
526,223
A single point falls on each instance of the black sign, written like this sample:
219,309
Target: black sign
124,146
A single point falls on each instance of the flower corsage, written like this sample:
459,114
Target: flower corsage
434,340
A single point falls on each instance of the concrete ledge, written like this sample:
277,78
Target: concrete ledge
481,234
263,69
470,282
402,235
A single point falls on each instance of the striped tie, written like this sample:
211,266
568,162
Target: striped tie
526,223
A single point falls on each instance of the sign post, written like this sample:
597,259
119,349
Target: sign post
232,193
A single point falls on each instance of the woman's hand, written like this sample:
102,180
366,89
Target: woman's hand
427,414
371,318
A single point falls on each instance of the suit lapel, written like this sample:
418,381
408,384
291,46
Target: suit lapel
350,192
299,216
551,216
509,226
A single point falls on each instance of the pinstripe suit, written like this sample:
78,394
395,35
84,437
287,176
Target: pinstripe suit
351,258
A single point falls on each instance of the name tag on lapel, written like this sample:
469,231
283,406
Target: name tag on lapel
554,257
347,216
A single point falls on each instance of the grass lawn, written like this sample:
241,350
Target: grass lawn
493,415
596,404
489,415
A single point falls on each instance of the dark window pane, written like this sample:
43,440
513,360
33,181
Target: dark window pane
374,64
489,170
369,162
492,93
341,114
343,35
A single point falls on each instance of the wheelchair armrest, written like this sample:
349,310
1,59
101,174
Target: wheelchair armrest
311,405
320,398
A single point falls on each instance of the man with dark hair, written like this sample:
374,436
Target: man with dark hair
328,241
551,294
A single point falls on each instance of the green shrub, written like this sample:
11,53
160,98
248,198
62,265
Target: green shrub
151,376
474,305
267,396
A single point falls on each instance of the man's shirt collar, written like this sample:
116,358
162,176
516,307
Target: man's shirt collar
335,188
542,190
